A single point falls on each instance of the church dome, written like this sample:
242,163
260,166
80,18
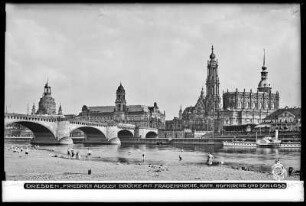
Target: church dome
264,83
212,56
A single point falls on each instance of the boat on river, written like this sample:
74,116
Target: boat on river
270,142
290,145
239,144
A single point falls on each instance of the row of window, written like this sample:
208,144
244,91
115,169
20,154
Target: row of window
254,105
245,120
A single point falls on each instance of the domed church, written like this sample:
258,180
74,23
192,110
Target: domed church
47,103
241,107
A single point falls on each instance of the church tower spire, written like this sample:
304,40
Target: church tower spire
60,111
180,112
33,109
212,84
264,58
264,85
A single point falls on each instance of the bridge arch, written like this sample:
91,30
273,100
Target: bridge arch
91,134
125,134
151,134
41,132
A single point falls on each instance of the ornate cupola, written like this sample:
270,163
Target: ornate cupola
46,103
47,89
264,84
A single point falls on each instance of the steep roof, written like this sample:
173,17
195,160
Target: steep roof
102,109
109,109
138,108
295,111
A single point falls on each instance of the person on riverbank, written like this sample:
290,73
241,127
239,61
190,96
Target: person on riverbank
68,153
210,158
72,153
143,157
78,156
180,158
88,152
26,152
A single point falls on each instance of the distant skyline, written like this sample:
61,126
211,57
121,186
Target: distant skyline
158,52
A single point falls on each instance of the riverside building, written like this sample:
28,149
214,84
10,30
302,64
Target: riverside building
139,115
239,108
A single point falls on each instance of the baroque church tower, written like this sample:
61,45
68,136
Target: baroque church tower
120,103
264,85
213,98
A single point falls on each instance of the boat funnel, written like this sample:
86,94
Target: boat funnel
276,134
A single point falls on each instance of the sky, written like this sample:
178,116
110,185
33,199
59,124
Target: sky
158,52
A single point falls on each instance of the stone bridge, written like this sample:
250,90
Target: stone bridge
56,129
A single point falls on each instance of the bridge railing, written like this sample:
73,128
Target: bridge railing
50,118
126,126
30,117
87,123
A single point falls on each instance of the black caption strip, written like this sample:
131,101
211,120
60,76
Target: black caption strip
155,185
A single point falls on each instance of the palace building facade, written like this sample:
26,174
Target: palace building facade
139,115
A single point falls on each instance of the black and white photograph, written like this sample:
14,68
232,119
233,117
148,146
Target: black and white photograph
153,93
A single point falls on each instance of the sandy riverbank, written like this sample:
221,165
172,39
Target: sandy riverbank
43,165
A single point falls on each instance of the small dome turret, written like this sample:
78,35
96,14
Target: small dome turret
120,88
264,83
212,55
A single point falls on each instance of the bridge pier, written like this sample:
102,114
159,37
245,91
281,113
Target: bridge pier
55,130
112,135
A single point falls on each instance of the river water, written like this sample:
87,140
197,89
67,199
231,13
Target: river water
256,158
